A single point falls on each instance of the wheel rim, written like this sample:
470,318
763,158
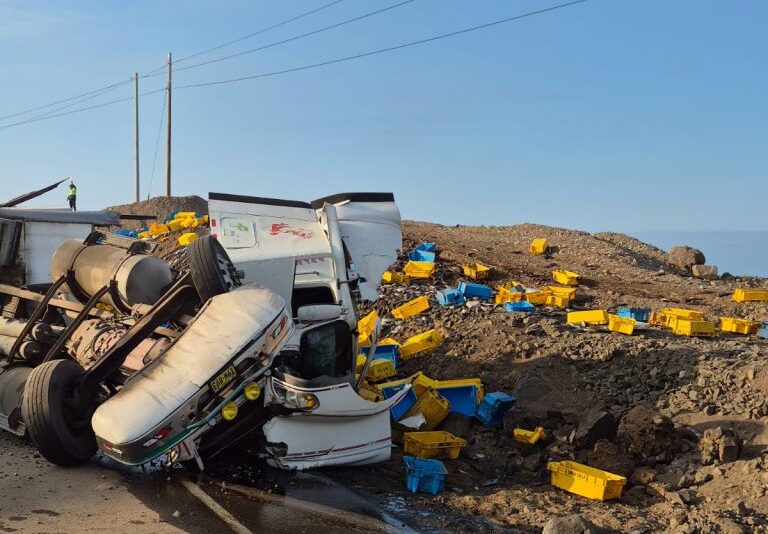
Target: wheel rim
227,271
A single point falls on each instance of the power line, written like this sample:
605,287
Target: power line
99,90
157,145
109,103
249,35
77,102
381,50
296,37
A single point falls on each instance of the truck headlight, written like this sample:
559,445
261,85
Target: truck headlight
252,391
229,411
295,400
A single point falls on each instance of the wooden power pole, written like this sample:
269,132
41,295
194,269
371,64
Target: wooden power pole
136,130
168,135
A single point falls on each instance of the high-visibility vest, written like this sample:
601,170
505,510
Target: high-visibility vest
72,191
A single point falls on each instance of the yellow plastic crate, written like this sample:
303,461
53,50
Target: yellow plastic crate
360,363
511,285
388,277
363,340
682,313
419,269
380,370
367,324
419,381
439,445
738,326
184,215
623,325
369,394
658,318
175,225
461,382
477,271
388,341
686,327
567,278
538,246
750,295
186,239
564,292
506,295
411,308
420,343
528,436
537,298
588,316
557,302
586,481
433,406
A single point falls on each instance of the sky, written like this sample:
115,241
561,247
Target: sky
621,115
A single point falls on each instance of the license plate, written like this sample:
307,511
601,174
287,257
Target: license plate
224,378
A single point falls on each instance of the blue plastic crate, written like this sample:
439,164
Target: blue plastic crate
401,408
638,314
426,476
763,331
450,297
427,247
470,289
384,352
463,399
491,411
522,306
421,255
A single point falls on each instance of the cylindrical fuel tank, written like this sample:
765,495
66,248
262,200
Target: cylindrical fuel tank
140,278
28,350
13,328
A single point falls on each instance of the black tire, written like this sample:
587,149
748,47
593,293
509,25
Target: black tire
47,408
213,273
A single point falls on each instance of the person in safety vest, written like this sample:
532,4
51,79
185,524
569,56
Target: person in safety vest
72,195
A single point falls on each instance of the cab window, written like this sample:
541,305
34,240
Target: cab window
326,351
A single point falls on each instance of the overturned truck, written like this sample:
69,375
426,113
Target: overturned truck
254,343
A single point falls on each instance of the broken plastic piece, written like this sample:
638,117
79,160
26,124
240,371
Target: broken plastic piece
524,307
528,436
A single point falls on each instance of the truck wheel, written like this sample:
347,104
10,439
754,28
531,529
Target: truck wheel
48,408
212,271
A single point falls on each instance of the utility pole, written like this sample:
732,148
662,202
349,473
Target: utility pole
136,129
168,135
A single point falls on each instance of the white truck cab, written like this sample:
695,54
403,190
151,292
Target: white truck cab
320,257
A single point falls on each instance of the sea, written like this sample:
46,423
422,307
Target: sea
737,253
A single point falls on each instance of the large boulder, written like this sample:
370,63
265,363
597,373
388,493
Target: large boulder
571,524
611,458
593,426
684,258
644,433
719,444
707,272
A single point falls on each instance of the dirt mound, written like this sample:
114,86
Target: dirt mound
158,208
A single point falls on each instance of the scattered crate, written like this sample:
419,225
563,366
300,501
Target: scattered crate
369,394
657,318
566,278
398,410
738,326
187,238
763,331
367,324
470,289
421,255
427,247
554,301
388,277
459,382
638,314
450,297
433,406
383,352
523,307
508,295
380,370
538,298
462,397
436,444
564,292
588,316
750,295
419,269
491,411
387,341
586,481
682,313
528,436
476,271
623,325
419,343
426,476
538,246
691,328
411,308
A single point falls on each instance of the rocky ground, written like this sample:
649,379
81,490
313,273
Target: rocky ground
684,419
